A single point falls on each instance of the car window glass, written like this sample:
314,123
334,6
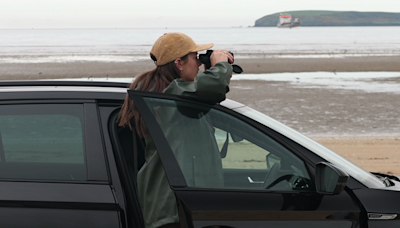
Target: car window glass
217,150
363,176
43,142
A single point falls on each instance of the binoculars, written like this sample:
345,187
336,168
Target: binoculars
205,59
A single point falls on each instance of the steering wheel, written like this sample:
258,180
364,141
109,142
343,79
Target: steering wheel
300,183
271,175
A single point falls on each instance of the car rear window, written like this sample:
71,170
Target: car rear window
42,142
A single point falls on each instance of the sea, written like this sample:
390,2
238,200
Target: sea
133,44
128,45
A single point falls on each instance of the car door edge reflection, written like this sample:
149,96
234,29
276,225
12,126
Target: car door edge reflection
171,167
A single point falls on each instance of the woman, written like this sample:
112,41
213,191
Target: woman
176,72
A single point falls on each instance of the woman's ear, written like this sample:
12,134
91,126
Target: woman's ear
178,63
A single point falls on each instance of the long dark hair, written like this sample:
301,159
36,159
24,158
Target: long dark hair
156,81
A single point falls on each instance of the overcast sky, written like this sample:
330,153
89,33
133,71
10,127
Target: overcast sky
164,13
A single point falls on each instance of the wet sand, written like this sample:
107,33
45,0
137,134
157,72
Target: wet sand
363,127
374,153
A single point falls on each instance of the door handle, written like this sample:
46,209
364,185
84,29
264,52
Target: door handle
254,182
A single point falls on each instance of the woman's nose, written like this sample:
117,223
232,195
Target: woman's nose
198,62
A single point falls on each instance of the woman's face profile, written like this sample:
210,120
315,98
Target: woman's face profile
190,67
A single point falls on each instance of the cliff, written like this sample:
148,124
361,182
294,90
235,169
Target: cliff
335,18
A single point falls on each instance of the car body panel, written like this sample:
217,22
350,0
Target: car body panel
25,204
263,209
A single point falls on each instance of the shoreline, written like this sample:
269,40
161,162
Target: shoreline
82,69
293,65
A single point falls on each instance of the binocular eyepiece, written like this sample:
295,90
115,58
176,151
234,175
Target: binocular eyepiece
205,59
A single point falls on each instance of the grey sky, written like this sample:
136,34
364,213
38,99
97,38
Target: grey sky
163,13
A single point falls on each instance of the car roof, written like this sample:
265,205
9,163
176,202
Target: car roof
54,84
74,89
60,89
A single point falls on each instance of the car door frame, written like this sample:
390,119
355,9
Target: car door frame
122,179
200,205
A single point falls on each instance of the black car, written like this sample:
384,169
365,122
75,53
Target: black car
64,162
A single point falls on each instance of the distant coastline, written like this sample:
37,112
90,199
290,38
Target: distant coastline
334,18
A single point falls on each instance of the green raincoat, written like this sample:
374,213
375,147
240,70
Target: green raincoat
157,200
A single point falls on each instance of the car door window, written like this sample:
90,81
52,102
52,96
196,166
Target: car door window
217,150
42,142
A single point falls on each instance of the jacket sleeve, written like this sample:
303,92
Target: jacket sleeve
209,86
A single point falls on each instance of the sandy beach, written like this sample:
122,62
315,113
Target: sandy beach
363,127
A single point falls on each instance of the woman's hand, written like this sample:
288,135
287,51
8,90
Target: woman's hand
220,56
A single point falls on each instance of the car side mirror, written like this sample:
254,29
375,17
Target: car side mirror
329,179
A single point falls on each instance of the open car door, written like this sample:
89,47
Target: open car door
229,171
